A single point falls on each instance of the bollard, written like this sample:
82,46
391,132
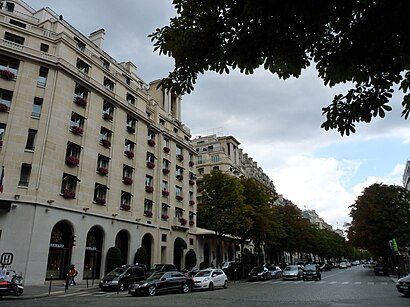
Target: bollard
49,287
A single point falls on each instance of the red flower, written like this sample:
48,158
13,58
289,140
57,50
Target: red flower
191,163
183,221
151,142
105,143
81,102
191,202
165,171
4,107
129,154
100,200
150,164
165,193
102,170
77,130
191,182
180,177
180,157
164,216
125,207
68,193
7,74
107,116
148,213
72,161
149,188
166,149
179,198
127,180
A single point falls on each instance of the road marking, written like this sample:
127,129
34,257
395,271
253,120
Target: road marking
370,283
357,282
345,282
332,282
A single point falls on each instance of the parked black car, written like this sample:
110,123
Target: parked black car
381,269
259,273
403,285
162,282
325,267
311,272
121,277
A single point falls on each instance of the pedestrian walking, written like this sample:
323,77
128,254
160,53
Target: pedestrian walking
72,273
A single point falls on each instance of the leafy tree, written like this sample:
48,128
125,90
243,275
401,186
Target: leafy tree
141,256
221,208
358,41
380,214
114,258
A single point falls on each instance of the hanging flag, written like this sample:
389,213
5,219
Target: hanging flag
2,180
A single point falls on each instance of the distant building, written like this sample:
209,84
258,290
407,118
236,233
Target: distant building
93,157
406,176
314,218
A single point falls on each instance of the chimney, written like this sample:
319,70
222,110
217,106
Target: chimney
97,38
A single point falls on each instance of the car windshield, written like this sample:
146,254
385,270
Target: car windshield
157,266
116,272
258,269
203,273
291,268
310,267
155,276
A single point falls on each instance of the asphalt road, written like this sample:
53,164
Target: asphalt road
355,286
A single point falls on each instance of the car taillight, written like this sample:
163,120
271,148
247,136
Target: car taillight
4,283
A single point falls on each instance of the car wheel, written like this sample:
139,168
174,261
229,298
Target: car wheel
211,286
152,290
185,288
226,284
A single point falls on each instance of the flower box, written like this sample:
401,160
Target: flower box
179,198
149,188
165,171
72,161
180,157
191,182
125,207
129,154
107,116
165,193
81,102
165,216
191,202
148,213
166,149
127,180
180,177
200,190
102,170
106,143
191,163
191,223
183,221
150,164
7,74
130,129
68,194
151,142
4,107
77,130
100,201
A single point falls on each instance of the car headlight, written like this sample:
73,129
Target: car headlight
144,285
206,279
114,282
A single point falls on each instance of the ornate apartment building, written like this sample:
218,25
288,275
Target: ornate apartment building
92,156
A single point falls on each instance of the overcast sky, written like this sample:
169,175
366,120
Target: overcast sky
277,122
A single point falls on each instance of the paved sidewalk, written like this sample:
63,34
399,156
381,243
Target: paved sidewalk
57,287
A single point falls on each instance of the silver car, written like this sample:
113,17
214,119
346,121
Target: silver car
292,272
275,271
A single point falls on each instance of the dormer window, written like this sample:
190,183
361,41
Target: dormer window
108,84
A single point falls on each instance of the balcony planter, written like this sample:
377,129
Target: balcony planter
191,163
100,201
72,161
106,143
127,180
77,130
165,216
129,154
149,188
183,221
148,213
130,129
191,202
191,182
179,198
165,171
150,164
165,193
125,207
107,116
166,149
4,108
180,177
180,157
81,102
151,142
68,194
7,74
102,170
200,190
191,223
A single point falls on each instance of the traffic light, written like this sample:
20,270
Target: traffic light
73,237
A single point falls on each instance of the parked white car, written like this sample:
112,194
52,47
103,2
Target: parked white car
210,279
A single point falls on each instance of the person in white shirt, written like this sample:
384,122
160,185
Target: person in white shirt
3,272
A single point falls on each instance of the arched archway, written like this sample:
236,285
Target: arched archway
147,244
122,242
59,253
206,254
92,257
179,246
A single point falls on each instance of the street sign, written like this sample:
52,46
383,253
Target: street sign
6,258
